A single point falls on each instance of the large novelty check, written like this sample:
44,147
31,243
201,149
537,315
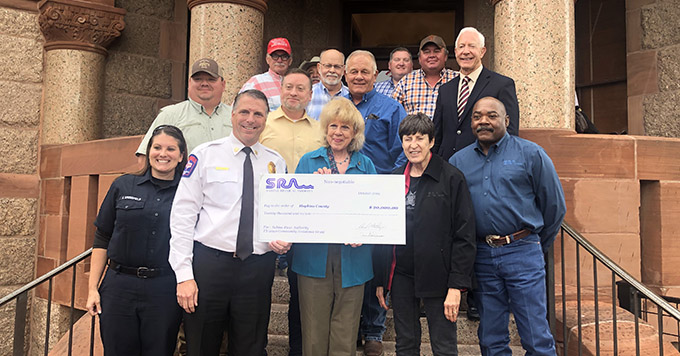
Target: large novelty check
332,208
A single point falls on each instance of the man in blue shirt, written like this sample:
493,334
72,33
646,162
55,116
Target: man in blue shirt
519,206
382,116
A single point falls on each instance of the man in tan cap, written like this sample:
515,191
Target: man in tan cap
278,59
418,90
312,69
202,117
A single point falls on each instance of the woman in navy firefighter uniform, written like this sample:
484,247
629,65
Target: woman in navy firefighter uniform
136,302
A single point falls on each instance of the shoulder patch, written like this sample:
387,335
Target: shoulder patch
191,165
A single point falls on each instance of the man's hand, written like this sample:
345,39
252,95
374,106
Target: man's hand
379,292
280,247
187,295
451,304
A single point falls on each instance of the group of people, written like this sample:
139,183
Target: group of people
178,241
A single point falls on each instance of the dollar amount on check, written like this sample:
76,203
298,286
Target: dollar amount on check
333,208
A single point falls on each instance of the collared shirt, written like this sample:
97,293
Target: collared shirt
382,116
136,215
207,206
291,139
310,259
386,87
416,95
321,96
270,84
513,187
196,125
472,80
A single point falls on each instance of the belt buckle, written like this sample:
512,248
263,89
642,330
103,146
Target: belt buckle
490,239
141,272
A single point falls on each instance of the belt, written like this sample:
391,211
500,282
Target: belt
498,241
139,272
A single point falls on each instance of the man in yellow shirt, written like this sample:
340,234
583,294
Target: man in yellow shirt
292,133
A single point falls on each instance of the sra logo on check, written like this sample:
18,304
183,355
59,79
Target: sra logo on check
283,183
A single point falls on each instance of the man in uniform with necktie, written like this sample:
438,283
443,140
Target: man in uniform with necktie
224,274
457,97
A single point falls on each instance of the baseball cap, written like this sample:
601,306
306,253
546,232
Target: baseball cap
206,65
278,44
438,41
306,64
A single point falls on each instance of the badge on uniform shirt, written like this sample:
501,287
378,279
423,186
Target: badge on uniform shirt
271,167
191,165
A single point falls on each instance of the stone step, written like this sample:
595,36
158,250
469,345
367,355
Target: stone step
278,346
467,330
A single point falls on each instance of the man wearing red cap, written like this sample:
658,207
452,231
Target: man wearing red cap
278,59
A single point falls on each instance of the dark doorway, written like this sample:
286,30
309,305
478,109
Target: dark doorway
380,26
601,63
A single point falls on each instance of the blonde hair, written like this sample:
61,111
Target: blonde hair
344,111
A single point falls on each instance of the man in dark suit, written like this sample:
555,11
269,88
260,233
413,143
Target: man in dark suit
457,97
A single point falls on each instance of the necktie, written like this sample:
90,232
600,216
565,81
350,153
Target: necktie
463,97
244,237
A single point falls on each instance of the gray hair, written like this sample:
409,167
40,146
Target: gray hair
361,52
473,30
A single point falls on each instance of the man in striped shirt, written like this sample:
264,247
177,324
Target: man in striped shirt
418,90
278,59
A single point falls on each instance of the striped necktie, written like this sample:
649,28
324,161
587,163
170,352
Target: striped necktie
244,236
463,97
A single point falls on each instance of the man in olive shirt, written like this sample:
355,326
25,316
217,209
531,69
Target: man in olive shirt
292,133
202,117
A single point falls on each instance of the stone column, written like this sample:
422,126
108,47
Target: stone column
230,32
76,34
534,45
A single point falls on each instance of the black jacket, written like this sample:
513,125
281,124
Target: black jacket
444,241
452,135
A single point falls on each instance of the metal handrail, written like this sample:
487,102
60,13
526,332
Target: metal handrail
614,267
45,277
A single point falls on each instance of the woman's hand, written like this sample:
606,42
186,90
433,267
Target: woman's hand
451,304
187,295
351,244
280,247
379,292
93,305
323,170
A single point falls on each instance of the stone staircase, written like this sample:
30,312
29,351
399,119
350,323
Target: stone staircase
467,330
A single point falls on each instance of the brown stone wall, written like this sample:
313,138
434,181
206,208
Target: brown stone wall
21,60
310,25
653,67
146,66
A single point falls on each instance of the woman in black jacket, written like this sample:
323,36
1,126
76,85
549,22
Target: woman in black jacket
436,262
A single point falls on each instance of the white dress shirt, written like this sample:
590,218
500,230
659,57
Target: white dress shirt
207,205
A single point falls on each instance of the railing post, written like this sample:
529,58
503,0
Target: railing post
549,258
20,324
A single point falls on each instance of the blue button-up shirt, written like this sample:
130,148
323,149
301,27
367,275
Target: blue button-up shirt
382,116
513,187
321,96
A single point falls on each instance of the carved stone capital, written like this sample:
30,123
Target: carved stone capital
73,24
257,4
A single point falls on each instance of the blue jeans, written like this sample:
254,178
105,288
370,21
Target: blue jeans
373,315
511,278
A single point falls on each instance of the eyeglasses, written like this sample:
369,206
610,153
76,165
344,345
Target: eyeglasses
336,66
276,57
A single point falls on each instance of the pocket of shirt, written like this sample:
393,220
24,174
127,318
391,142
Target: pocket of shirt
515,182
129,204
222,182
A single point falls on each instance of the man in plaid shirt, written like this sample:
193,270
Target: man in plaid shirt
399,65
279,59
418,90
